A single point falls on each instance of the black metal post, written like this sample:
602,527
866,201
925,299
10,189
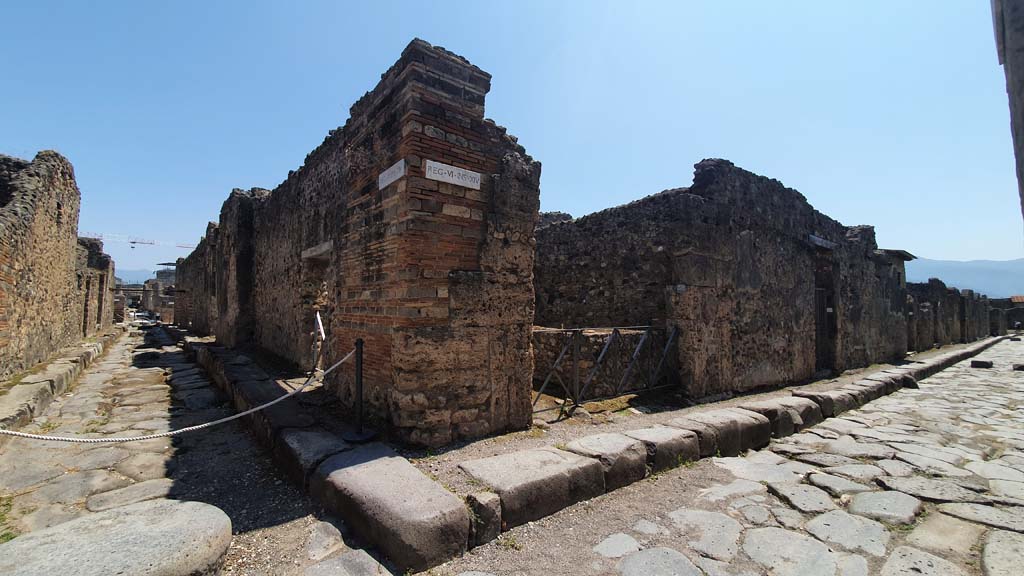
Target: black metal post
359,386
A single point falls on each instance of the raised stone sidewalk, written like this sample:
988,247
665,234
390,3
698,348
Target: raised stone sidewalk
28,394
927,480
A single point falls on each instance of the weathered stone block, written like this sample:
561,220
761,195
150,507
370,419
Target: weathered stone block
300,451
707,436
624,459
981,363
667,447
780,416
385,499
536,483
486,509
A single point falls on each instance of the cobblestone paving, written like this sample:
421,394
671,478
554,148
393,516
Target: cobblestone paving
141,386
925,481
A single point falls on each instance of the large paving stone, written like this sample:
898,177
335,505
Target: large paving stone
803,497
536,483
851,532
667,447
324,539
1009,519
907,561
946,456
1002,554
623,459
140,492
945,535
747,468
158,538
299,451
893,507
1008,489
860,472
486,509
995,471
847,446
931,489
825,459
709,533
144,466
617,545
393,505
932,465
787,553
76,486
657,562
351,563
835,485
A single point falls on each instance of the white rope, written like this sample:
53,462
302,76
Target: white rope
181,430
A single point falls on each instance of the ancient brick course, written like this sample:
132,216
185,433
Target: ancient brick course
436,277
55,288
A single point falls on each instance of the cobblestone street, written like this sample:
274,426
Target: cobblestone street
145,385
925,481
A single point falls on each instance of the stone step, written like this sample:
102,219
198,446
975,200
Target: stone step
389,502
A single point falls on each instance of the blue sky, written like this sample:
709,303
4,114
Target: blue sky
891,113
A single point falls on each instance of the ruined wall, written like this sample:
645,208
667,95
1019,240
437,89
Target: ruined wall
997,322
731,262
434,273
54,289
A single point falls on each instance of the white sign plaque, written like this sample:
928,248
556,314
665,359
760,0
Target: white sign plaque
452,175
396,171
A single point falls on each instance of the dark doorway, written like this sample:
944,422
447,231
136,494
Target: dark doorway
824,315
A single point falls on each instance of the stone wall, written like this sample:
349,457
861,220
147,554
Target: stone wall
944,315
54,287
434,273
1008,20
733,261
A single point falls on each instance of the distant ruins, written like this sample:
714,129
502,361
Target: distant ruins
415,227
55,288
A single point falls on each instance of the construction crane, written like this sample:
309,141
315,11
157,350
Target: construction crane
133,240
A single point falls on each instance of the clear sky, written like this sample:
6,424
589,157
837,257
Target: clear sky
891,113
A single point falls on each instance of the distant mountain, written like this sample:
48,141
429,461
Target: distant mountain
994,278
135,276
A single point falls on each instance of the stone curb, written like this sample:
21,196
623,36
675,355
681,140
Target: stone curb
717,431
418,524
30,397
387,501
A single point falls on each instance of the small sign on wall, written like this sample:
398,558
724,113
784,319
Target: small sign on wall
452,175
396,171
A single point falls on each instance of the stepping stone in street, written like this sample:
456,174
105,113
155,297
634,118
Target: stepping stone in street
837,486
788,553
617,546
850,532
907,561
709,533
162,536
657,562
945,535
893,507
1002,553
1010,519
803,497
931,489
981,363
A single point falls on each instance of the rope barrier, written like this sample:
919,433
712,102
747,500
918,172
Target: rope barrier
181,430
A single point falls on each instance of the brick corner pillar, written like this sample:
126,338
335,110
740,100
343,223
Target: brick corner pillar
444,295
